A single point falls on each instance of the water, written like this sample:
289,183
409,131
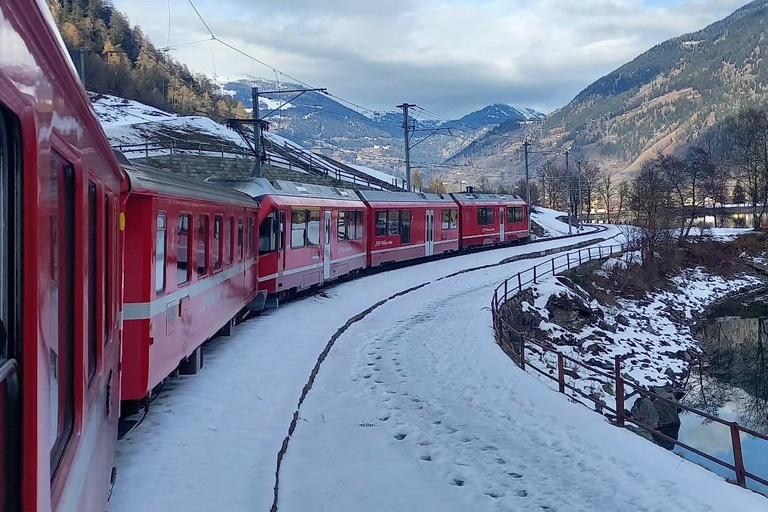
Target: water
731,383
726,220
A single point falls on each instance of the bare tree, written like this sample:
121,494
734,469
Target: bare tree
747,152
624,190
606,190
551,176
589,172
650,200
417,180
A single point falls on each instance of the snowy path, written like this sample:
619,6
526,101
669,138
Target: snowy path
417,409
210,441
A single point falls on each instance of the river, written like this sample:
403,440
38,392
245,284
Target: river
731,383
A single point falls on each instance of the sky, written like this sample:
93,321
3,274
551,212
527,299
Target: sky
450,57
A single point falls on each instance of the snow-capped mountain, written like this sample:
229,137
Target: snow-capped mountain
367,138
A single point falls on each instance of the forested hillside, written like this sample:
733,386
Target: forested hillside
671,95
119,59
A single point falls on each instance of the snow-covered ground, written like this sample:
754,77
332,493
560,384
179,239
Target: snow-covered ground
547,219
377,174
651,335
415,408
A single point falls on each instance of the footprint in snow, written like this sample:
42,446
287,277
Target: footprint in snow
515,475
400,436
458,481
522,493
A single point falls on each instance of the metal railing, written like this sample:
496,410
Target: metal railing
517,345
173,147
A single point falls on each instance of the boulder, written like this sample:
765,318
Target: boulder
570,311
621,319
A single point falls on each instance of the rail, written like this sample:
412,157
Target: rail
517,345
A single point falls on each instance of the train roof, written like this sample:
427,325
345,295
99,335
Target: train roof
383,196
474,197
149,180
258,188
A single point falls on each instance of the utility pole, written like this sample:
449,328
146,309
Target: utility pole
256,131
568,191
527,184
406,134
581,201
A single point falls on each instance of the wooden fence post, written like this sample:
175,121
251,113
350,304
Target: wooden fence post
579,256
534,274
522,352
560,372
553,266
519,283
738,458
619,393
505,288
568,260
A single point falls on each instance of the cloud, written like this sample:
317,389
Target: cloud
451,56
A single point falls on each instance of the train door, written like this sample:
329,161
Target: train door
502,219
10,301
327,251
430,238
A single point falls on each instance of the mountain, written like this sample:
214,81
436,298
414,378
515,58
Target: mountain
367,138
669,96
496,114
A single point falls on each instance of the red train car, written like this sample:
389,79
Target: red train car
308,234
488,219
191,267
409,225
60,190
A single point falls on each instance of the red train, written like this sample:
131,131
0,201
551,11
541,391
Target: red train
311,234
114,275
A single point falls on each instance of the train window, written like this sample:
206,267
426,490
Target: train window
160,254
182,249
313,227
342,226
381,223
92,280
298,228
359,225
267,238
249,238
393,222
485,216
514,214
239,239
405,226
228,237
57,233
449,219
216,247
202,246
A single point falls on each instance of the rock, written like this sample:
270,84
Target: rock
621,319
596,349
644,412
606,326
651,330
570,311
669,372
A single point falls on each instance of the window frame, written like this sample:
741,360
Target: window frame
405,218
188,269
298,226
240,239
310,216
228,240
377,228
216,243
161,215
342,229
63,247
92,328
203,224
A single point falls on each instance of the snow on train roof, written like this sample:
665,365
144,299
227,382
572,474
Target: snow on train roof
474,196
145,179
403,197
260,187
